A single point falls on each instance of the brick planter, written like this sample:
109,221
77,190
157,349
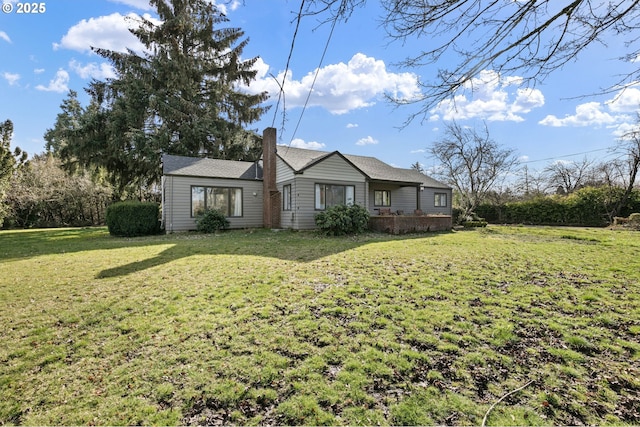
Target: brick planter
402,224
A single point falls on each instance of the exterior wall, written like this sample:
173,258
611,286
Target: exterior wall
427,201
402,198
302,216
335,168
283,171
288,218
332,170
176,213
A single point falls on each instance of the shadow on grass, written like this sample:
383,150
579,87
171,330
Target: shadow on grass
283,245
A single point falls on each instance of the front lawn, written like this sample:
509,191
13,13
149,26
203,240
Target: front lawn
259,327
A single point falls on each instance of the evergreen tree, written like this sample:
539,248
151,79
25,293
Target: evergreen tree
7,162
180,96
61,139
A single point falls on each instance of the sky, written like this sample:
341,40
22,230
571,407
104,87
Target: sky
43,55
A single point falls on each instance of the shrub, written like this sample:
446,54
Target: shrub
211,221
456,215
340,220
129,219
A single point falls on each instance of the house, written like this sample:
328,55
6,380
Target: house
289,186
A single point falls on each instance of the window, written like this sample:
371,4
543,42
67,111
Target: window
227,200
382,198
440,200
286,197
328,195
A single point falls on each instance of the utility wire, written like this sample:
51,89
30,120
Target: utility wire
286,69
565,155
326,47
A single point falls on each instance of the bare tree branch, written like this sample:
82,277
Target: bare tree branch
531,39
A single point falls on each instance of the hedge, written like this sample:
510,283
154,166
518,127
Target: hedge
130,219
588,206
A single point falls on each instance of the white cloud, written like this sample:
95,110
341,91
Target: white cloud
93,70
490,98
588,114
108,32
341,87
58,84
38,71
4,36
11,78
420,151
625,101
369,140
311,145
225,8
351,125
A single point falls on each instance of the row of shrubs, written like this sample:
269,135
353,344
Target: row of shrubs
130,219
589,206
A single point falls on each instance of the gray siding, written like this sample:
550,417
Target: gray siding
177,202
287,218
402,198
283,171
427,201
336,168
303,213
333,170
405,199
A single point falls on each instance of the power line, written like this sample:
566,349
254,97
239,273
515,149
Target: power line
566,155
304,107
286,69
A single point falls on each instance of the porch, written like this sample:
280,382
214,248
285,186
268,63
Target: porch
398,223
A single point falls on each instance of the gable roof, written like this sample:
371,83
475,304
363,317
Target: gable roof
210,168
300,159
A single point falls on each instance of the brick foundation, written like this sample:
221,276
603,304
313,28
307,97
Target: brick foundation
401,224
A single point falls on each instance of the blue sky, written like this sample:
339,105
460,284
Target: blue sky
43,55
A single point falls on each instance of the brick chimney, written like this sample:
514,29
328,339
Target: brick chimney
271,205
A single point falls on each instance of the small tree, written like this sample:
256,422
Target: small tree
471,162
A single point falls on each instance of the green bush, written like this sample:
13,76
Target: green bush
212,221
129,219
340,220
589,206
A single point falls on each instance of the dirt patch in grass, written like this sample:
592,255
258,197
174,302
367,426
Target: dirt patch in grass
261,328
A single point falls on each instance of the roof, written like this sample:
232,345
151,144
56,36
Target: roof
210,168
300,159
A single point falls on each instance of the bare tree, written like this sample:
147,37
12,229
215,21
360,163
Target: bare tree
471,162
568,177
629,149
531,183
530,38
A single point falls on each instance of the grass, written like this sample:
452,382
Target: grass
257,327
